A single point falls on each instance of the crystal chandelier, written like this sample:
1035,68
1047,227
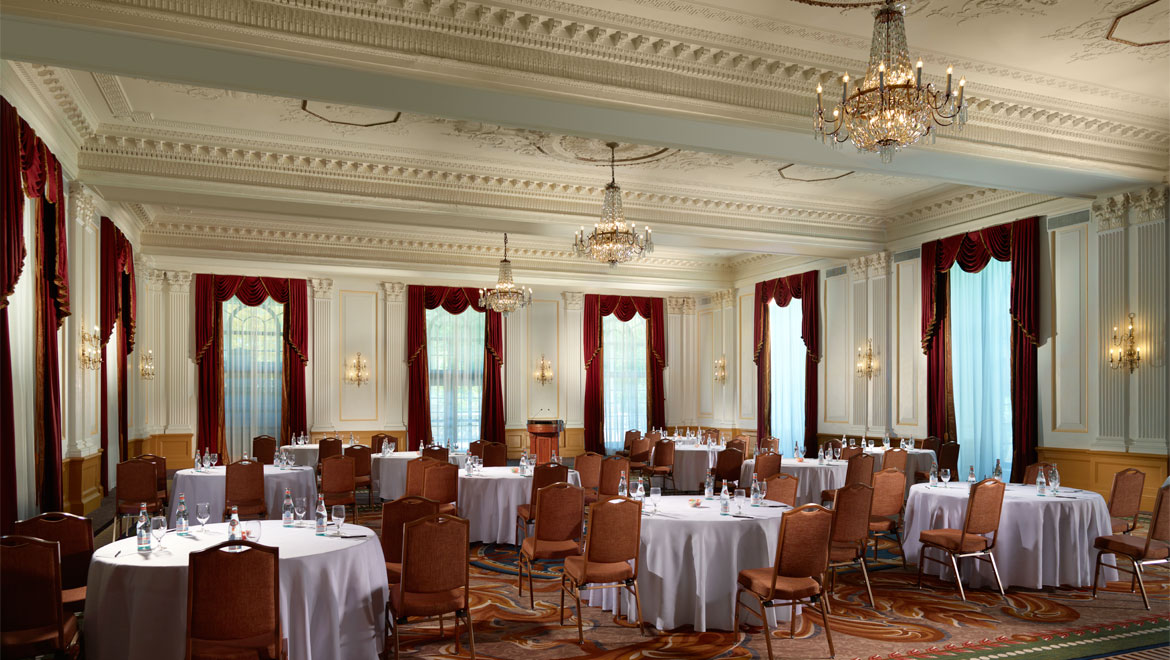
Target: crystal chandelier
613,240
506,297
890,109
358,371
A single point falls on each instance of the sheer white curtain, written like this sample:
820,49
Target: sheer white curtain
623,378
455,366
981,355
253,379
22,335
788,361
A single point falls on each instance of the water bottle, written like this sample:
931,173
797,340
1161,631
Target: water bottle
1041,483
997,473
321,516
181,516
555,458
143,529
709,485
755,492
821,456
724,501
971,475
1054,479
933,475
351,440
197,462
286,509
623,491
234,525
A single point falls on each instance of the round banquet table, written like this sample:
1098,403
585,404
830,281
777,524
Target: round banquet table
307,454
813,478
488,500
210,486
917,460
691,463
1042,541
388,471
689,562
333,594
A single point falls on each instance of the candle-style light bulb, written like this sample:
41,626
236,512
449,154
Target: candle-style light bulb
844,88
950,70
918,74
962,84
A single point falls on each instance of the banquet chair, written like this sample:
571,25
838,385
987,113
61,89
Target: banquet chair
711,436
1125,499
767,466
416,468
378,439
543,475
832,443
653,436
611,555
662,464
1032,472
395,515
338,484
137,485
612,469
476,448
495,454
1152,550
889,505
441,454
738,443
588,467
983,508
327,447
896,459
852,507
782,488
245,490
233,602
559,518
33,620
728,464
797,574
75,536
768,445
948,458
435,576
441,484
264,449
930,442
160,474
628,443
361,469
859,470
640,453
849,452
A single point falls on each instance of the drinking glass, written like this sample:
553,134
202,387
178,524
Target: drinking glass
299,509
945,475
655,497
338,516
203,514
740,496
763,489
158,527
214,459
252,530
836,453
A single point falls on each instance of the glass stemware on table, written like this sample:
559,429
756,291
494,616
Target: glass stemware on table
203,514
740,496
655,498
944,475
338,517
252,530
158,529
299,509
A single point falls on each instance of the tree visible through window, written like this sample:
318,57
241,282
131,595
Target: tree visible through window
253,379
623,378
455,355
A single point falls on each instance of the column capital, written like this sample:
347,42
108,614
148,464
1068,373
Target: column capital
573,300
322,287
179,281
859,268
83,205
680,305
154,278
1149,205
879,264
395,291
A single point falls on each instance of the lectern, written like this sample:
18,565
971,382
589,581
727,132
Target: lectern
543,437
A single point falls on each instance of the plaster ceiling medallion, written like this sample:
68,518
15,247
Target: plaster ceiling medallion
1143,26
349,115
810,173
574,149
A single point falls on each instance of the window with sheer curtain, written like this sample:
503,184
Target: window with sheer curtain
787,372
253,380
623,378
455,373
981,356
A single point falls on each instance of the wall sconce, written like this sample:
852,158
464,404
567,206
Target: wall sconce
1128,354
867,366
91,349
357,372
544,372
720,370
146,365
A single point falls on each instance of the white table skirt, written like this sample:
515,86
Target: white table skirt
1043,541
917,460
211,487
388,471
489,499
307,454
332,595
689,564
691,463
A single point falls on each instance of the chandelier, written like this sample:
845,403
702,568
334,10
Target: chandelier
506,297
891,109
613,240
1129,354
358,371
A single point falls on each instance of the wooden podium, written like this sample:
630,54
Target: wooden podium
544,436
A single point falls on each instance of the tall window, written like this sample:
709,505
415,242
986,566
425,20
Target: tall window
22,313
253,364
455,366
981,352
788,362
623,378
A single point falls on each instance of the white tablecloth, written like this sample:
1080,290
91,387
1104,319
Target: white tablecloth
489,499
690,559
388,472
307,454
917,460
332,595
211,487
1043,541
691,463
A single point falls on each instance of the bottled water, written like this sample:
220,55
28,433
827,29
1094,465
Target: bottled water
1054,479
997,473
623,490
197,460
234,525
555,458
933,475
1041,483
971,475
724,501
351,440
709,485
821,456
181,516
322,518
755,492
286,509
143,529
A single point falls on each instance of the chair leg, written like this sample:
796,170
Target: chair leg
901,548
396,650
998,582
470,633
531,592
455,633
791,620
441,631
828,631
865,575
580,626
921,563
958,577
638,606
767,632
562,600
735,612
1096,574
1137,572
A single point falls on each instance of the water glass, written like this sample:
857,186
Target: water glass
299,509
740,496
158,528
655,497
252,530
338,516
945,475
214,459
203,514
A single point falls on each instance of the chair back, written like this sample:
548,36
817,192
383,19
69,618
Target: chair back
361,459
768,445
803,548
415,470
833,443
264,449
849,452
395,515
160,469
1125,499
782,488
889,492
495,454
984,506
767,465
30,571
137,482
245,483
546,475
378,439
653,437
664,453
1033,471
441,483
859,470
74,534
441,454
1160,522
851,511
728,464
559,512
948,458
631,436
434,555
588,466
615,528
739,444
328,447
337,477
896,459
233,598
612,469
640,449
476,448
711,435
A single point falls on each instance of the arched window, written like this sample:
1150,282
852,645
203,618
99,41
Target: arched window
623,378
252,372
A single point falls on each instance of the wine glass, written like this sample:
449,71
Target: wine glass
158,527
655,497
252,530
739,498
214,460
338,516
763,489
299,509
945,475
203,514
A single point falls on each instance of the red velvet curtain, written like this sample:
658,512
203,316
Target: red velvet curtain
624,308
116,303
454,300
1017,242
803,286
210,293
12,254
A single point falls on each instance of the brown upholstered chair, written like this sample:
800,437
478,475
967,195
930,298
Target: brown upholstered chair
851,513
662,464
767,466
435,576
832,443
1031,472
495,454
628,443
395,515
1153,549
415,470
543,475
440,454
930,442
33,620
948,457
264,449
768,445
588,467
75,536
895,458
728,464
160,474
782,488
859,470
441,484
982,518
245,490
711,436
233,602
1125,499
361,456
377,440
738,443
327,447
889,504
559,515
640,453
798,573
849,452
338,484
611,555
137,485
476,448
612,469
